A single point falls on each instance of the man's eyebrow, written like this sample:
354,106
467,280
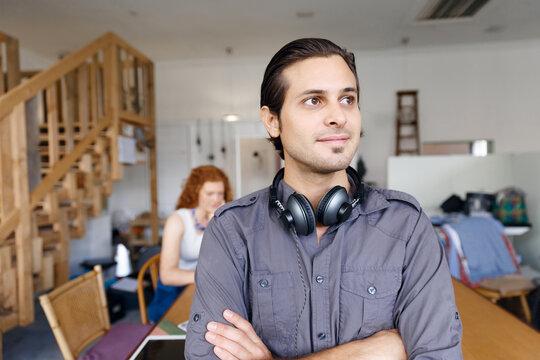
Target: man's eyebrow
319,91
312,91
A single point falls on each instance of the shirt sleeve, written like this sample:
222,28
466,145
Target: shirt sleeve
219,285
425,313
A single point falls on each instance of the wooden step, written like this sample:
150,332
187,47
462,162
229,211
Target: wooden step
43,220
44,138
44,149
49,236
410,151
61,126
408,123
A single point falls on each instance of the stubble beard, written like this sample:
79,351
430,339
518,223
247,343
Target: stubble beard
315,163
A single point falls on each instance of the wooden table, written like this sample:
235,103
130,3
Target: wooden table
179,310
489,332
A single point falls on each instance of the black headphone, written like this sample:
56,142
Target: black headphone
333,208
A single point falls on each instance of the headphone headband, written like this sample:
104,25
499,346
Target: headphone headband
332,209
350,171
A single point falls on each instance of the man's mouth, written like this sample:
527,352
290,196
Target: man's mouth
334,139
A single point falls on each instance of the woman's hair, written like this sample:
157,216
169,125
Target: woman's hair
189,198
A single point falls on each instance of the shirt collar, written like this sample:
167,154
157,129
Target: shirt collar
373,201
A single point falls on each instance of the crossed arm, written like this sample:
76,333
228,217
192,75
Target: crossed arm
241,342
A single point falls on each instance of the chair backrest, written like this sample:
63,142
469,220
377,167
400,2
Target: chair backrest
77,312
146,253
151,265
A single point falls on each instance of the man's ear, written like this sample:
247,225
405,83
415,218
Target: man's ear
270,121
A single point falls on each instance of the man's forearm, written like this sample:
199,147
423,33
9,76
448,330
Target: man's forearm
386,344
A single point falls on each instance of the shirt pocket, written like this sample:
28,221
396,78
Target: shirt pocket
274,308
367,300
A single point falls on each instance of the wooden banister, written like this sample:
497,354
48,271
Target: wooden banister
47,77
130,49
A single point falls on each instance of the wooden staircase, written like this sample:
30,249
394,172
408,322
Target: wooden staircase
59,156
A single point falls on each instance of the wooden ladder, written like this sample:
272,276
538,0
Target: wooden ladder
407,138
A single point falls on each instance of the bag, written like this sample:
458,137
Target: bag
453,204
510,207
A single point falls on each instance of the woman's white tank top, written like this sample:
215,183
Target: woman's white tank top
191,242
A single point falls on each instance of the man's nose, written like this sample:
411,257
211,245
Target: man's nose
335,116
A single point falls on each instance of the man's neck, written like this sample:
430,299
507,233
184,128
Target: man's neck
313,185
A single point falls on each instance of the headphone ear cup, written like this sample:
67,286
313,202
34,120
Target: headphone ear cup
302,212
329,210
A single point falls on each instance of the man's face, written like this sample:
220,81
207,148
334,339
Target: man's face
320,118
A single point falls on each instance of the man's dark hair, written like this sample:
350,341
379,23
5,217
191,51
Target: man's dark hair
274,86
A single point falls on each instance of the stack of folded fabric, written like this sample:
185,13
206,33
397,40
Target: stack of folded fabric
477,249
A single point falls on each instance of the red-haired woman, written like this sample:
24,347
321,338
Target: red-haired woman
206,189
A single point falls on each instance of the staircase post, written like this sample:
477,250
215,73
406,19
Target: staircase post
154,220
112,105
23,241
13,64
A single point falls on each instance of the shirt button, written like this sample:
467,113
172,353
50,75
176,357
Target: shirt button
457,316
263,283
372,290
196,317
320,279
321,336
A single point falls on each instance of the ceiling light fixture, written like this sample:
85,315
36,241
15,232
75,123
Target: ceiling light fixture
231,116
305,14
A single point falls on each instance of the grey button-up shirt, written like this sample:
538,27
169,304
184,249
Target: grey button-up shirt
383,268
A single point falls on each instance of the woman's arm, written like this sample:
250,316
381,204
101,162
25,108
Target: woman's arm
169,272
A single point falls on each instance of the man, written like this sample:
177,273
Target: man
319,265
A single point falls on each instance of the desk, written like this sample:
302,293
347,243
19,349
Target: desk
489,332
179,310
177,313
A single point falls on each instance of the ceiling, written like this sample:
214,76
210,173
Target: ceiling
195,29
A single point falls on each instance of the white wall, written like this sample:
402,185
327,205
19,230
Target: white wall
207,89
96,244
29,60
526,168
256,172
432,179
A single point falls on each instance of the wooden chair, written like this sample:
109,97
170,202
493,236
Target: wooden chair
78,315
151,265
508,286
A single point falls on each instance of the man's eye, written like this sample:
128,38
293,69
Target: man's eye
312,101
348,100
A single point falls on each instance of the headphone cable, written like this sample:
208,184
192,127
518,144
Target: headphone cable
297,243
